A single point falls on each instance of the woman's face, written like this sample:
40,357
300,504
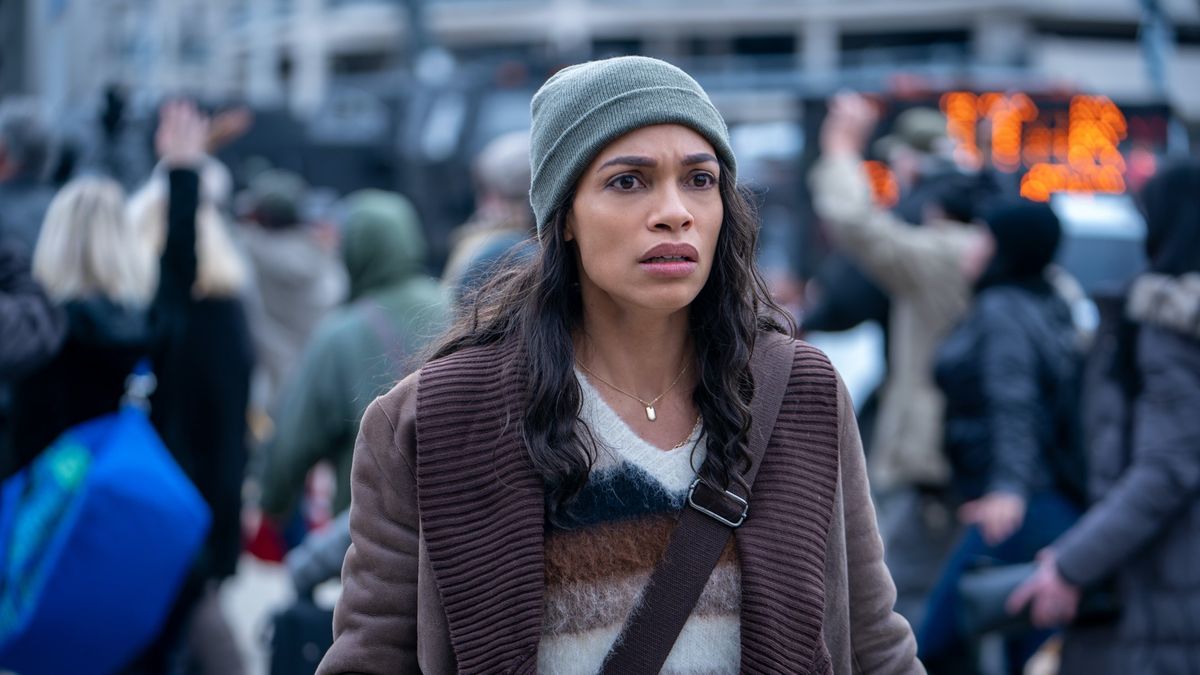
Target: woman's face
645,220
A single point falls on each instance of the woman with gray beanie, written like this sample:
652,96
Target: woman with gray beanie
619,461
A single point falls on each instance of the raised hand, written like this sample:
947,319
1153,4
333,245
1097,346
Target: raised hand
848,124
182,137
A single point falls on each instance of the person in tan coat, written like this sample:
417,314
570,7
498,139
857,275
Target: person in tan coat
512,500
928,271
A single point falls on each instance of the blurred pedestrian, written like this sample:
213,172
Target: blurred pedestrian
357,352
844,294
511,500
1009,372
1144,433
101,277
502,217
32,327
297,279
31,324
25,148
203,363
928,273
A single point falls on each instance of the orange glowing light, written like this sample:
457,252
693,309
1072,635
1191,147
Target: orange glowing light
962,110
1076,150
884,188
1089,144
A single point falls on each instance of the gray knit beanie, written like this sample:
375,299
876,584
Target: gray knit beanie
583,108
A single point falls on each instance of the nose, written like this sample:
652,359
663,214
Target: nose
671,212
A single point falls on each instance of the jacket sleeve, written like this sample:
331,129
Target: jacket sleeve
881,641
375,622
1163,478
1009,363
319,557
900,257
177,266
313,423
32,326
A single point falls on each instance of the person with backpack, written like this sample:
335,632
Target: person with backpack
1143,421
1009,372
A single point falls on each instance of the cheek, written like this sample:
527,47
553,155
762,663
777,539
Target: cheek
712,221
597,248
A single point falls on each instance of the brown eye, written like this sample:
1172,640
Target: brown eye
625,182
703,180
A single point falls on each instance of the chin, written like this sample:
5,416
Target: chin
668,301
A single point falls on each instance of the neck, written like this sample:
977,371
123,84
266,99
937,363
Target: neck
643,354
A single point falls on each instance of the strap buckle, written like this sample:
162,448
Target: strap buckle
741,504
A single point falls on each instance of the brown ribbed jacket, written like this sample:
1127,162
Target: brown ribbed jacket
397,598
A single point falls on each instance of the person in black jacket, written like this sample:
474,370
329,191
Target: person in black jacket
1143,421
33,328
203,361
1008,372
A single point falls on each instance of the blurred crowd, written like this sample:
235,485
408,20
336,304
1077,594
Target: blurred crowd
1009,432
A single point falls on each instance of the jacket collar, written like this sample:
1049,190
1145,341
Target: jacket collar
1167,302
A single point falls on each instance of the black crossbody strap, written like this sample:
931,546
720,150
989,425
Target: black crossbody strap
700,535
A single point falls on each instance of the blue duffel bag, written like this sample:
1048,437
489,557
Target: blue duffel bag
96,537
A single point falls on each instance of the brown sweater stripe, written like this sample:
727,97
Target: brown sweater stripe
483,515
575,607
611,550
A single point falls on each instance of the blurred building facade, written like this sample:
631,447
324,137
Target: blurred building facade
272,52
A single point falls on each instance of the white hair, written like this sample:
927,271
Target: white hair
88,247
220,268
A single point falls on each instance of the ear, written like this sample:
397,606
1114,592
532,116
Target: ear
569,226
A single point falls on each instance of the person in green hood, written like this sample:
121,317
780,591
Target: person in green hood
358,352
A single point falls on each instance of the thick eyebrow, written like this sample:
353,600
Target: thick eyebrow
630,160
636,160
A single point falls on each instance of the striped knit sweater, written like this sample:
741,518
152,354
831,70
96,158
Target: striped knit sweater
597,570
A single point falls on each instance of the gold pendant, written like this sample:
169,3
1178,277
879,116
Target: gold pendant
650,414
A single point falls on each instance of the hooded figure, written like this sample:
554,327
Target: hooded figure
357,352
297,281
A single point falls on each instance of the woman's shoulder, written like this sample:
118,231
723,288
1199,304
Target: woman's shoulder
812,372
806,357
467,371
391,418
481,362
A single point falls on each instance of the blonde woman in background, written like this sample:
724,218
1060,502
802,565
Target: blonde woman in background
91,263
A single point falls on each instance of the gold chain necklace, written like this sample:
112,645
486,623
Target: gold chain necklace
649,405
691,432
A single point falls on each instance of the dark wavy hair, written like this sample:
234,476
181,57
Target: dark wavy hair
538,304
